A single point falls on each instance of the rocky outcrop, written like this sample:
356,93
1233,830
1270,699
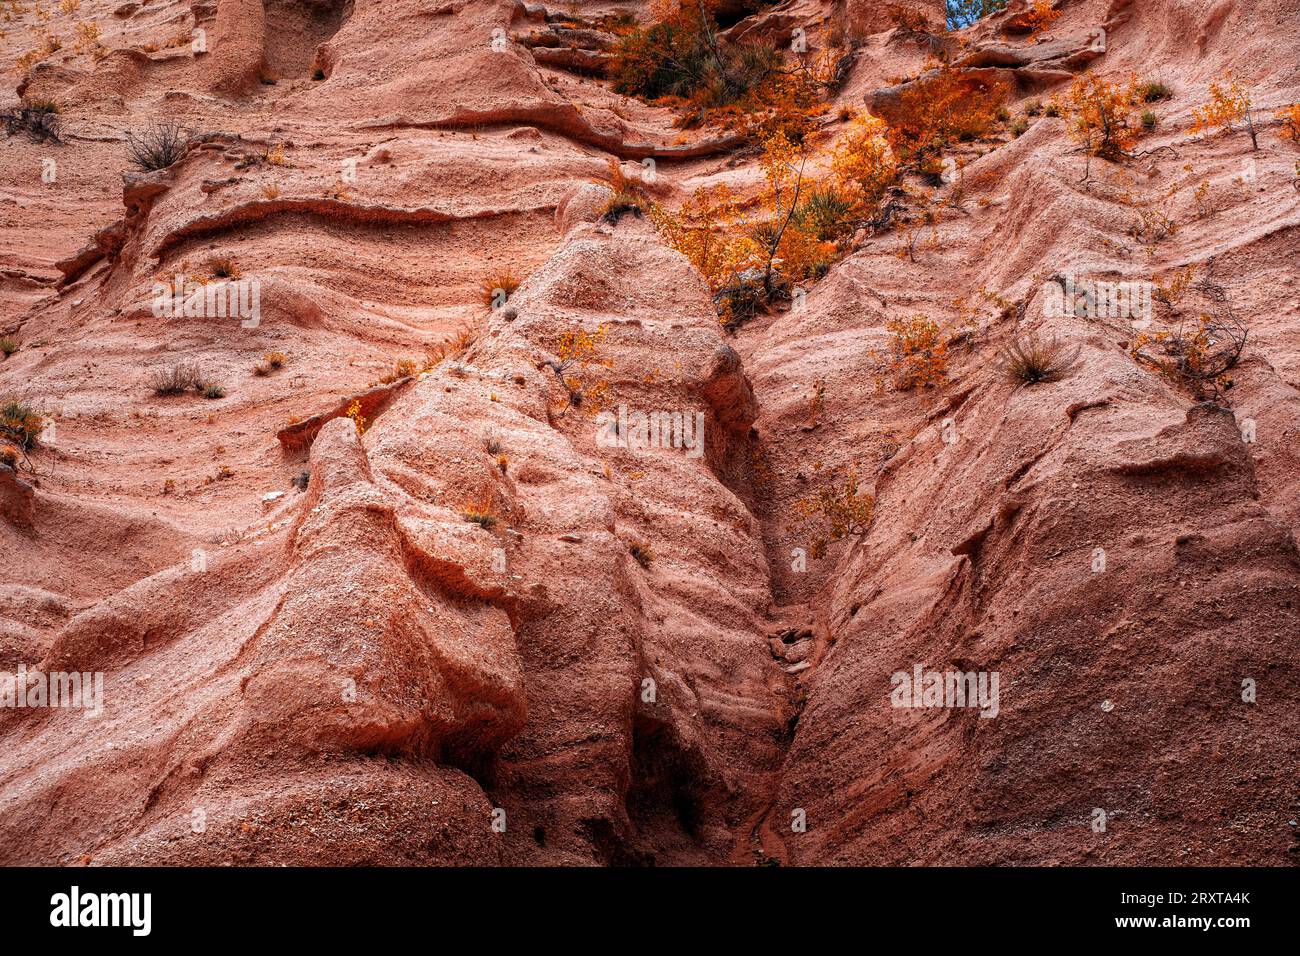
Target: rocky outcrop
1019,69
564,596
368,405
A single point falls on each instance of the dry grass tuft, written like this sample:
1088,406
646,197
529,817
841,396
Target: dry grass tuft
402,368
628,194
643,553
162,144
481,511
181,378
454,346
1030,359
223,267
271,362
497,289
20,425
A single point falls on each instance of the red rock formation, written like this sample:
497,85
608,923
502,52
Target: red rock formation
485,627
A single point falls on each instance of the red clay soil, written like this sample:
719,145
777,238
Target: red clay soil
474,632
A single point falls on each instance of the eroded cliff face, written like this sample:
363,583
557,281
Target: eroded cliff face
485,627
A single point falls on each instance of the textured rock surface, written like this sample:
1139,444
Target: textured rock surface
621,660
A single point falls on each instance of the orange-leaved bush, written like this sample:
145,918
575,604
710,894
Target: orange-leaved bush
1199,355
1229,104
1101,116
681,55
839,509
20,424
1040,16
786,242
917,352
1290,117
864,165
682,58
580,349
941,108
751,256
703,231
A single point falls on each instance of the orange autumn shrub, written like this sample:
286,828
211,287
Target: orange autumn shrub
863,163
908,18
783,236
703,231
940,110
917,352
1229,105
681,55
837,510
1290,117
1100,116
578,351
1040,17
682,59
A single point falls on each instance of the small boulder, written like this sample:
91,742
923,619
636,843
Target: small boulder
586,202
